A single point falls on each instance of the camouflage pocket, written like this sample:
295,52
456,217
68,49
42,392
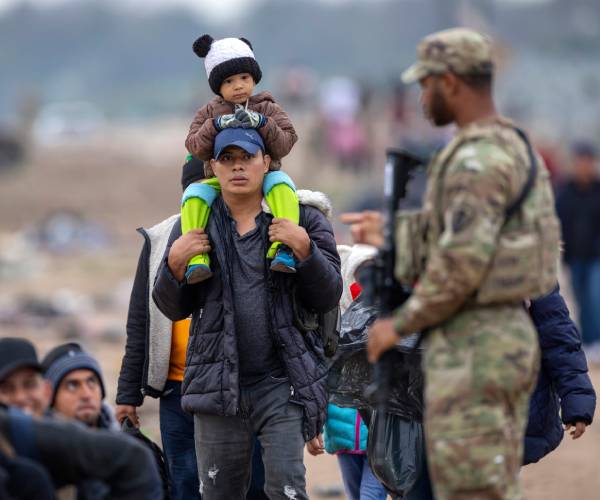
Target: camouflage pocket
471,451
514,268
525,265
410,246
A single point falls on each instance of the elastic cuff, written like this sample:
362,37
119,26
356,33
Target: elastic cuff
216,124
263,121
306,262
170,276
200,190
129,401
274,178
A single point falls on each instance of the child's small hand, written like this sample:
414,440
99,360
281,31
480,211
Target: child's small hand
249,118
226,121
578,429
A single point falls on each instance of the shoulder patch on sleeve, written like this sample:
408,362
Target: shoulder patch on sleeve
479,155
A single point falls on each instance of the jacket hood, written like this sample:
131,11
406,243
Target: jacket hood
352,257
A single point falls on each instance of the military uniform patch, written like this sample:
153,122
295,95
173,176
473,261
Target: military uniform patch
462,218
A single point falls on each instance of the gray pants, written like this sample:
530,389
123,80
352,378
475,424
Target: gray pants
224,445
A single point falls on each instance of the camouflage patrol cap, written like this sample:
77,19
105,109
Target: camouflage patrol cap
459,50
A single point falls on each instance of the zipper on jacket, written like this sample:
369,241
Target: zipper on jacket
226,277
270,288
144,387
357,432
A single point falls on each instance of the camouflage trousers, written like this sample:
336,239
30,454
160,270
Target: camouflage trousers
480,368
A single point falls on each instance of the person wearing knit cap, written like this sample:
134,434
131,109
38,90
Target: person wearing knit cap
77,386
233,72
78,394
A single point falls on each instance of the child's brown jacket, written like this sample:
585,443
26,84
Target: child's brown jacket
278,133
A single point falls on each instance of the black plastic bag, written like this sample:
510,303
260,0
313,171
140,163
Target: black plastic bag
395,451
351,374
128,428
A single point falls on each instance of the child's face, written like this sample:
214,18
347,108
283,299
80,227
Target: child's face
237,88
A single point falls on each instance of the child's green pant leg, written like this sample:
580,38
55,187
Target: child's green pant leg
280,194
195,210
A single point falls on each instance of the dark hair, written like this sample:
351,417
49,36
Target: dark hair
479,82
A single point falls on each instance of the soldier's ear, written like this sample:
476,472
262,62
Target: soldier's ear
449,83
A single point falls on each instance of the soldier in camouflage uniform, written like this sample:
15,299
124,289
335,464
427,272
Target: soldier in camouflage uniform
481,356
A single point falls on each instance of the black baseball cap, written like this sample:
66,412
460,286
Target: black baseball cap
17,353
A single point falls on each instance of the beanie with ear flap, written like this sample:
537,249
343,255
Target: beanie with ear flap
226,57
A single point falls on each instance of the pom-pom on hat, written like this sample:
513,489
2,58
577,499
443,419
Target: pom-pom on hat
226,57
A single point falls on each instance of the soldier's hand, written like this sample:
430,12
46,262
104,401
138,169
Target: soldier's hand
382,337
366,227
184,248
578,429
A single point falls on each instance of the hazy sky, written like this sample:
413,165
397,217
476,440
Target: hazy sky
216,9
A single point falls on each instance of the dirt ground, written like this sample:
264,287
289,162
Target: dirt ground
129,178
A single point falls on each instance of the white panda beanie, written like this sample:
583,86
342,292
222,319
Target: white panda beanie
226,57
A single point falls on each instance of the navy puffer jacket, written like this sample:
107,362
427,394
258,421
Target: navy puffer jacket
211,377
563,381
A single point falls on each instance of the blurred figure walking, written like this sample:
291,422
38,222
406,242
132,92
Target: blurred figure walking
578,206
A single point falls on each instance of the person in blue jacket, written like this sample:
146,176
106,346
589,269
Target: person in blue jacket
346,436
564,393
345,433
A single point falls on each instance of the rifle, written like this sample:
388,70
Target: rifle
381,290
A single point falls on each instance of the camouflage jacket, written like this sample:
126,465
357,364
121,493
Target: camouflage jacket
471,183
